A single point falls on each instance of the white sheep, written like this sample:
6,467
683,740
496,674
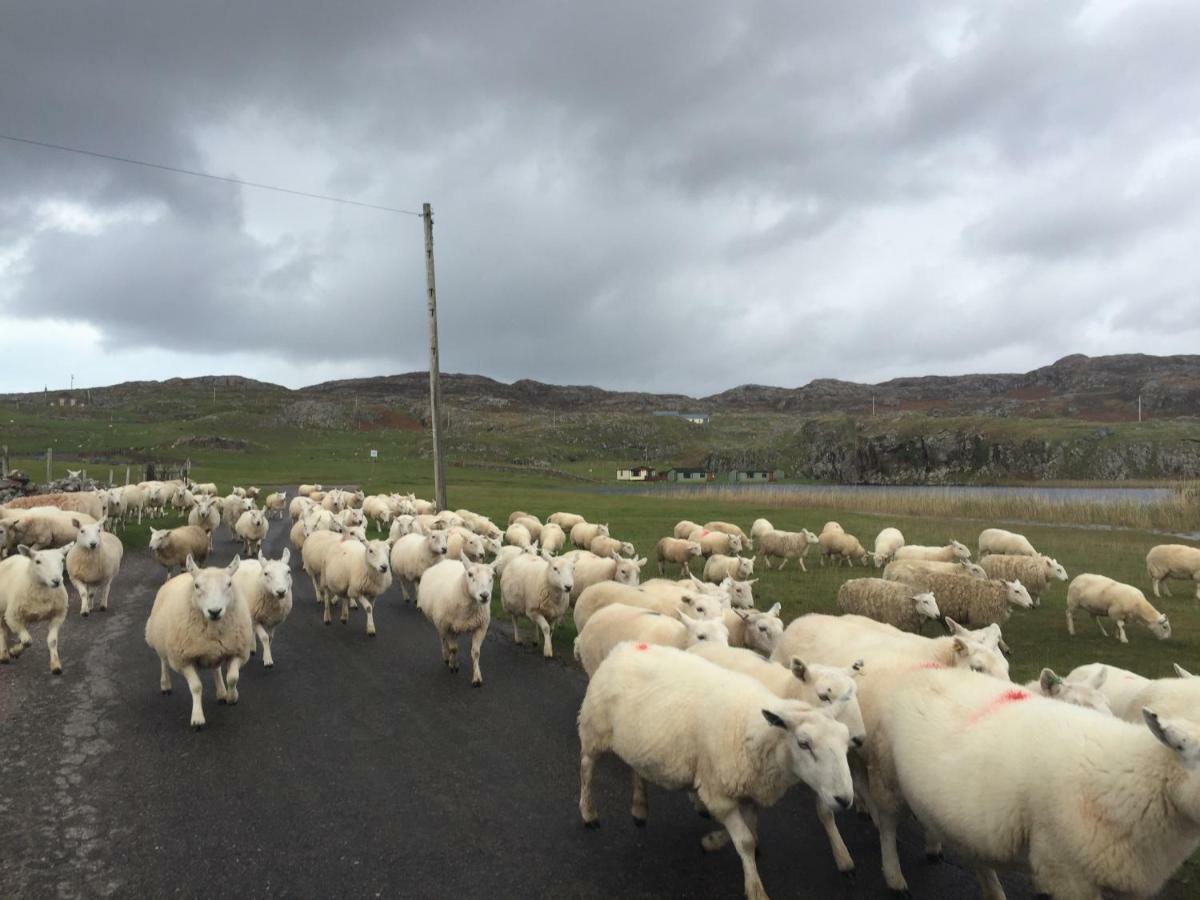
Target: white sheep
608,593
517,535
456,599
841,547
43,527
378,509
680,551
299,506
530,524
685,527
32,590
206,515
891,602
1056,805
264,586
1035,572
133,499
231,510
507,554
520,514
1008,543
565,520
719,567
1120,687
356,573
552,538
313,553
1177,697
903,569
603,545
730,528
840,640
786,545
689,725
583,533
198,622
412,555
1098,596
172,547
618,623
1173,561
207,488
1088,694
592,569
758,528
951,552
252,527
538,589
887,542
754,629
737,594
717,542
972,601
92,564
462,543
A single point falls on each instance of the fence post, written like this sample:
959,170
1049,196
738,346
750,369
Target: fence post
49,463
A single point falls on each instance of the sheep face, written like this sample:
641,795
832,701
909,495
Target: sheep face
926,606
627,550
562,574
973,569
735,544
961,551
479,580
763,629
816,748
809,537
377,555
711,631
212,589
1160,628
694,549
89,535
158,537
629,571
1077,693
703,606
1054,570
47,565
978,657
837,694
438,542
357,533
276,578
741,594
745,568
1018,595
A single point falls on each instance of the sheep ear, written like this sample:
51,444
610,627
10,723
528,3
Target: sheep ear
640,562
233,565
25,550
76,523
1101,676
286,557
1181,672
190,564
1050,683
743,614
857,667
773,720
774,610
799,669
960,646
955,628
1173,735
752,581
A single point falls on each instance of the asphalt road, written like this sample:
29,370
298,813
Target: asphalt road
358,767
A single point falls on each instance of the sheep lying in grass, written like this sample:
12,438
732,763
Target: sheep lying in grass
32,590
694,726
973,602
356,573
1087,694
252,528
198,622
172,547
1100,596
887,542
719,567
678,551
1173,561
951,552
1035,572
617,623
264,586
1008,543
92,564
786,545
538,589
456,599
890,602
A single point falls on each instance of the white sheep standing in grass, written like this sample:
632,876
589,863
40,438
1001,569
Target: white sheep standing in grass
539,589
532,525
462,543
842,547
617,623
1173,561
603,545
887,542
552,538
592,569
607,593
786,545
1035,572
507,554
252,527
717,542
1099,596
1008,543
758,528
92,564
717,568
737,594
517,535
565,520
690,725
1088,694
583,533
906,569
412,555
680,551
730,528
891,602
356,573
456,599
1056,805
198,622
951,552
172,547
521,514
685,527
32,589
264,586
972,601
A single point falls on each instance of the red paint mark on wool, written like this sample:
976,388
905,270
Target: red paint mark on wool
641,646
928,665
1014,696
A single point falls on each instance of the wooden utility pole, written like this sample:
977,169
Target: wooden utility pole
435,377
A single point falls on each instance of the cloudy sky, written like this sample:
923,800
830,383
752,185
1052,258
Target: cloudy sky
671,196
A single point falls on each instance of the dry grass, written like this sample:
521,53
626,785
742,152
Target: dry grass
1178,513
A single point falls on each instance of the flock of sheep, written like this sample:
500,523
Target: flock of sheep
690,684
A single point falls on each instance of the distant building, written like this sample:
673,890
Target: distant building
636,473
691,475
751,475
695,418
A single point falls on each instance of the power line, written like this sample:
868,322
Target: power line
198,174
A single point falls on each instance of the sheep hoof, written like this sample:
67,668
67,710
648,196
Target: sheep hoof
222,701
269,665
83,612
592,825
165,692
849,875
328,621
253,652
704,813
900,892
370,634
197,726
56,670
934,857
476,684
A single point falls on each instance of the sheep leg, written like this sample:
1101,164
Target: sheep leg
369,608
232,677
345,616
841,856
4,656
744,842
328,617
24,638
82,591
783,562
52,641
660,567
547,647
354,603
800,561
1154,583
477,637
516,631
1121,632
452,649
989,884
164,677
766,560
1198,590
104,595
444,640
261,634
194,685
640,808
1165,586
587,807
1100,625
219,684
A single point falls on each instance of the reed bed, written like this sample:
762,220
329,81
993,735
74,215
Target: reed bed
1177,512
